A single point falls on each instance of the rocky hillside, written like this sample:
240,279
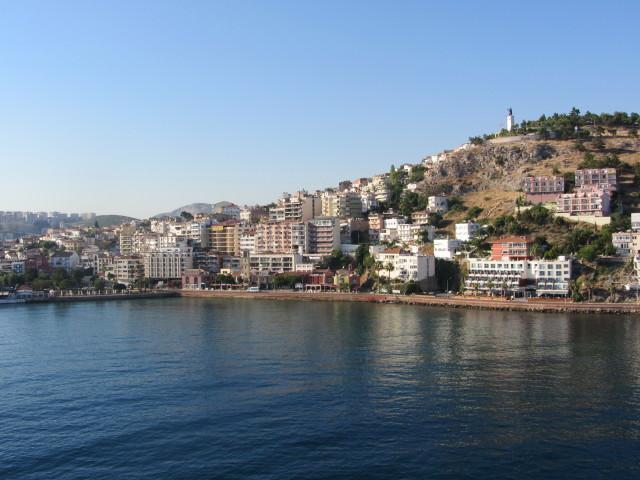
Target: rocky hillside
490,176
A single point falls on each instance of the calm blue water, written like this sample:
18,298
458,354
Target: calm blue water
198,389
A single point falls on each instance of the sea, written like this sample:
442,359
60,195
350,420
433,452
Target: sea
191,388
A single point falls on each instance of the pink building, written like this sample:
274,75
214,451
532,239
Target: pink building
596,203
543,188
602,178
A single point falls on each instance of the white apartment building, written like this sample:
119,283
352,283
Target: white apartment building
635,222
467,231
437,204
446,248
544,277
410,232
167,263
393,222
626,243
248,242
406,266
274,262
67,260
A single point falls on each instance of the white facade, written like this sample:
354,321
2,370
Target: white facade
274,263
167,262
466,231
437,204
516,276
66,260
406,266
635,222
409,232
446,248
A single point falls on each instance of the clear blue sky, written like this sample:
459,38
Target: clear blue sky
139,107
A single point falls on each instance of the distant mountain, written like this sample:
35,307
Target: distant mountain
195,209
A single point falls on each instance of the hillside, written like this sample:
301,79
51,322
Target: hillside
194,209
110,220
490,176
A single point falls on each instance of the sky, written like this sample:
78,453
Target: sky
135,107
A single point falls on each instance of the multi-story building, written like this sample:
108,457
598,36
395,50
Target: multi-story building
446,248
167,263
298,207
274,262
626,243
410,232
596,203
543,188
406,266
280,237
341,204
224,237
67,260
601,178
467,231
635,222
125,239
509,276
128,269
323,235
512,248
420,218
248,241
437,204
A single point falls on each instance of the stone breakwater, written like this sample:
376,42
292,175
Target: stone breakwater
545,306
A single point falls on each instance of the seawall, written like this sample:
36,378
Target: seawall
545,306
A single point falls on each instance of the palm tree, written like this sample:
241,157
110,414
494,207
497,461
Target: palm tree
376,267
389,268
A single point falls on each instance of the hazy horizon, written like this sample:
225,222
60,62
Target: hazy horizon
137,109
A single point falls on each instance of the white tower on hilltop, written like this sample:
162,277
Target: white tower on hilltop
509,120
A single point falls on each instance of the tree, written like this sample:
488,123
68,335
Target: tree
99,284
119,287
186,216
389,268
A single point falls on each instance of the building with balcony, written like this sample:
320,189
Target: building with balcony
516,277
323,235
467,231
406,267
511,248
598,178
446,248
543,188
595,203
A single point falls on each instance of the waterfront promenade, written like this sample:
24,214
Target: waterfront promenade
488,303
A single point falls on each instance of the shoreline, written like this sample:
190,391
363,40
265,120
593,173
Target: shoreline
480,303
94,298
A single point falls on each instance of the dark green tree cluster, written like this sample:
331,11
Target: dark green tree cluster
609,161
336,260
284,280
572,125
411,202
